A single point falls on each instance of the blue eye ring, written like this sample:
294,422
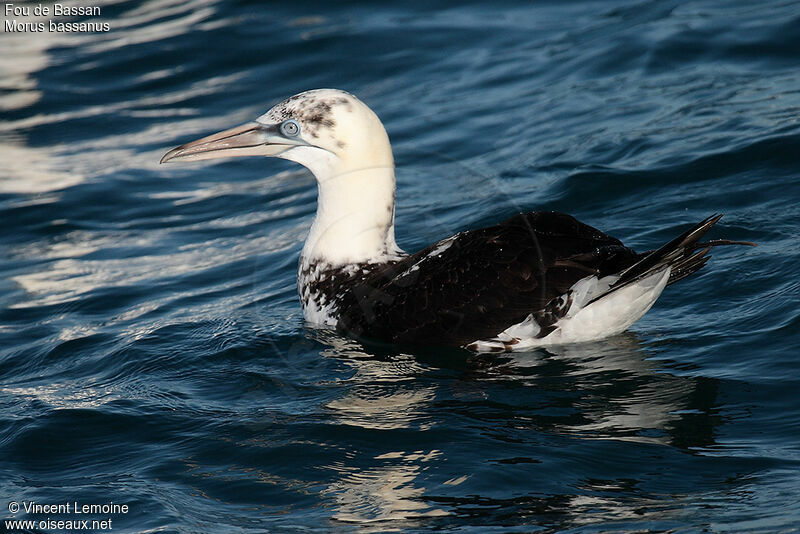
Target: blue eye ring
290,128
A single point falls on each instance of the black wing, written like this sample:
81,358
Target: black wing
478,283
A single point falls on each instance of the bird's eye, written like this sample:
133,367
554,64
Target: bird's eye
290,128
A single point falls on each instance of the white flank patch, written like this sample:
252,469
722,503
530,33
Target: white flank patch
606,317
612,314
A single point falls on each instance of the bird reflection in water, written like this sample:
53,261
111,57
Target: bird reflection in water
434,406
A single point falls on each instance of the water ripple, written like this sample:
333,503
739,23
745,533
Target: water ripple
152,349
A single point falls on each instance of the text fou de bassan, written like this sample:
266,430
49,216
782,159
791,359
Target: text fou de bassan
15,15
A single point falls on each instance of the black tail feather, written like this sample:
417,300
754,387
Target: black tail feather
689,265
676,251
684,255
718,242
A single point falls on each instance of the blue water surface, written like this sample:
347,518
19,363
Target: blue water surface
152,348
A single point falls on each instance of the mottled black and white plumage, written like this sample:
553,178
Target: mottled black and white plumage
534,279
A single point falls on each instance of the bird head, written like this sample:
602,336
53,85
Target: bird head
329,131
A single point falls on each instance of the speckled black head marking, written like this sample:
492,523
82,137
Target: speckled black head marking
317,112
314,112
345,102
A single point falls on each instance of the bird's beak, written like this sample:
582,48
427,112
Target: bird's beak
251,139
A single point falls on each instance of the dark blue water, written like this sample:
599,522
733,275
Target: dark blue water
152,349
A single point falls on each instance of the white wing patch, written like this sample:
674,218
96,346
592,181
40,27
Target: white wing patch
442,245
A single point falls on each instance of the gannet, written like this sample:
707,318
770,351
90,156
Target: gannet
538,278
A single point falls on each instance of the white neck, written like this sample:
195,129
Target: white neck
355,211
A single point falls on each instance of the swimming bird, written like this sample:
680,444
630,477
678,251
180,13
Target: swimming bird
538,278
